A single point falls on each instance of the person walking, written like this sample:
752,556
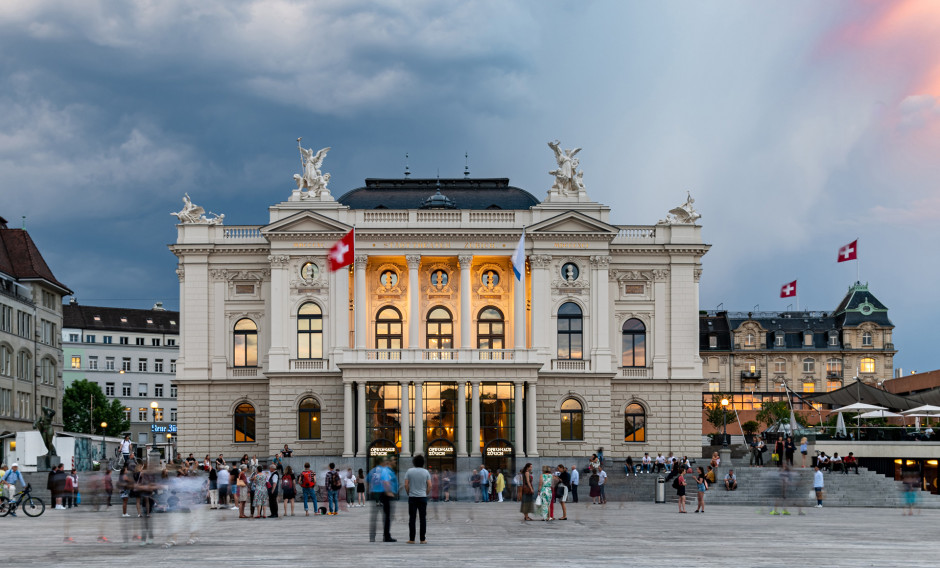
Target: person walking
500,485
260,499
702,484
384,486
288,490
575,479
527,489
333,486
273,484
545,493
417,486
308,487
679,485
818,486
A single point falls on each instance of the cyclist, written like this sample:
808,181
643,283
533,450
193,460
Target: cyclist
12,477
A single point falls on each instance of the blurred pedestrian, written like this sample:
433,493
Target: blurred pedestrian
818,486
384,486
417,486
350,484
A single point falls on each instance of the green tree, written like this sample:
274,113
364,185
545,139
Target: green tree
772,412
79,400
750,427
715,413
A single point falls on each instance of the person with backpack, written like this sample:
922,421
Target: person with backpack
308,487
334,483
288,490
595,484
274,482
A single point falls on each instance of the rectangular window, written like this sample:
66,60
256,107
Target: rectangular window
24,408
142,414
142,365
76,361
89,339
171,342
833,385
107,339
48,300
808,339
73,338
809,365
6,319
172,415
780,366
109,389
140,341
47,332
158,390
713,342
24,324
159,417
713,364
158,365
714,387
125,389
155,342
127,413
141,389
6,402
172,391
172,365
109,363
809,387
779,340
123,340
126,364
93,362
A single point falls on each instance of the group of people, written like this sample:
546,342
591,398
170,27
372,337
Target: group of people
538,495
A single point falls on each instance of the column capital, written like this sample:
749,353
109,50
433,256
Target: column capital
413,260
475,382
465,260
540,260
361,260
278,259
600,261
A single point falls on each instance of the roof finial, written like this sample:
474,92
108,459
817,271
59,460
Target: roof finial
438,181
466,166
24,222
407,170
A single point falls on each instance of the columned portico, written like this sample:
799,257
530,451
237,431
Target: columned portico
475,418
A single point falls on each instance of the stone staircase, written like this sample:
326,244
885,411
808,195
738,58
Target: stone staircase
761,487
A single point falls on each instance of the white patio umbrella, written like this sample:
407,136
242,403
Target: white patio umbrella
927,409
859,407
880,414
840,425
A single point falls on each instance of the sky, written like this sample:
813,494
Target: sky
797,126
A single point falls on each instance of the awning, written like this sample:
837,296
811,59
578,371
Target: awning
860,392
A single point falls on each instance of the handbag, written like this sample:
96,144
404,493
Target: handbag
775,456
538,500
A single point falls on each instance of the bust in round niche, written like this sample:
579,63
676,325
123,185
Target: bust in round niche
388,279
489,279
439,279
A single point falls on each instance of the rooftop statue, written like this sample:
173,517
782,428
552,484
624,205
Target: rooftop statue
684,214
312,181
568,180
193,214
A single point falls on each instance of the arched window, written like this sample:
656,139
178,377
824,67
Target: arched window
634,423
244,421
440,329
570,338
246,343
24,366
308,419
491,329
867,365
572,420
749,340
6,361
866,339
809,365
634,343
309,332
388,329
833,338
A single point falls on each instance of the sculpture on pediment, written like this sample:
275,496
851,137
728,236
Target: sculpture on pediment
313,182
684,214
193,214
568,179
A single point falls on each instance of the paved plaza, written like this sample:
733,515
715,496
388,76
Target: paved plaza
629,534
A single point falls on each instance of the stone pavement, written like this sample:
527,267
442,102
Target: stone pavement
635,534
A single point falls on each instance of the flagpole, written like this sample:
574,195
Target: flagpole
857,271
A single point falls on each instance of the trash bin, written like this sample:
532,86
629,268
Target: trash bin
661,489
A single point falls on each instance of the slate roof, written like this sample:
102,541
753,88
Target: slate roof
467,193
849,313
717,326
20,258
109,319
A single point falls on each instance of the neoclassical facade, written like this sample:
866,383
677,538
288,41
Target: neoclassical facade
428,342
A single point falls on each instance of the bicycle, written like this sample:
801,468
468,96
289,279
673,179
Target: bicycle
117,462
32,506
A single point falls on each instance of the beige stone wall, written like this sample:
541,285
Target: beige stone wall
286,394
205,421
673,417
594,395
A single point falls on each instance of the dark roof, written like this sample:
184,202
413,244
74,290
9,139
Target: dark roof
860,392
20,258
110,319
467,193
717,326
859,300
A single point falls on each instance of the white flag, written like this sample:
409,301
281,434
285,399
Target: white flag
518,257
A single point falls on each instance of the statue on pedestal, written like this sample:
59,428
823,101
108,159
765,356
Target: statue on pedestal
568,180
684,214
43,424
313,181
194,214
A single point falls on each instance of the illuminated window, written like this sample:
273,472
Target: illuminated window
440,329
750,366
246,343
634,423
749,340
244,422
570,338
572,420
76,362
491,329
867,365
309,332
634,343
308,419
833,385
388,329
809,387
714,387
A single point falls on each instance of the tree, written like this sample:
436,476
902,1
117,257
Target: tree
716,415
772,412
77,404
750,427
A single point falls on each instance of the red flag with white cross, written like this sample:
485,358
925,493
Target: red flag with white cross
788,290
849,251
343,251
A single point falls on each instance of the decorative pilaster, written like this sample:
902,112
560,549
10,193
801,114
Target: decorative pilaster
475,418
519,421
278,351
532,427
360,300
361,418
660,325
600,299
541,303
461,434
466,261
518,320
347,420
405,420
414,308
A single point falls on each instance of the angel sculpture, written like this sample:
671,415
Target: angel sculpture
567,177
312,179
684,214
192,213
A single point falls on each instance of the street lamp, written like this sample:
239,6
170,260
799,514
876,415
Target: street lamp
169,447
724,423
104,451
153,411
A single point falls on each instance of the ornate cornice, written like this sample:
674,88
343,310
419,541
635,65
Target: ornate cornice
660,274
600,261
180,272
697,274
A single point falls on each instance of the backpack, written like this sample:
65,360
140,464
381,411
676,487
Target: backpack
595,480
306,479
335,482
675,483
287,483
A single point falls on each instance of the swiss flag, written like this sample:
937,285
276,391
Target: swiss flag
343,251
849,251
788,290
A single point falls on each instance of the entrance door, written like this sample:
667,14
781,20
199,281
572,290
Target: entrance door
499,454
441,456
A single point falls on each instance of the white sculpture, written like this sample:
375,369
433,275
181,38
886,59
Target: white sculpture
193,214
568,180
684,214
312,181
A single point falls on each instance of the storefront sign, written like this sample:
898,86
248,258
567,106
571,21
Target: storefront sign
440,451
382,451
163,429
499,452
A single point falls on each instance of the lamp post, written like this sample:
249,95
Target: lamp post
104,451
724,423
153,431
169,448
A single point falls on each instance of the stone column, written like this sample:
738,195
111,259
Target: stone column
219,327
475,419
347,420
532,423
519,422
466,261
405,420
600,293
360,300
361,419
419,416
414,308
278,352
541,304
461,434
518,320
660,325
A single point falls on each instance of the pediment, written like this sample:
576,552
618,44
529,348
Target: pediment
572,222
305,222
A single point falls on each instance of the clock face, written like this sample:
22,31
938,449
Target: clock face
309,271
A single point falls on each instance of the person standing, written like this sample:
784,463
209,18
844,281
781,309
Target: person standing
575,479
602,484
308,486
213,488
545,493
702,484
361,489
789,448
241,487
759,450
484,484
417,486
333,486
500,485
818,486
594,484
679,484
222,479
561,490
384,486
274,482
804,449
350,483
288,490
126,449
260,498
527,490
